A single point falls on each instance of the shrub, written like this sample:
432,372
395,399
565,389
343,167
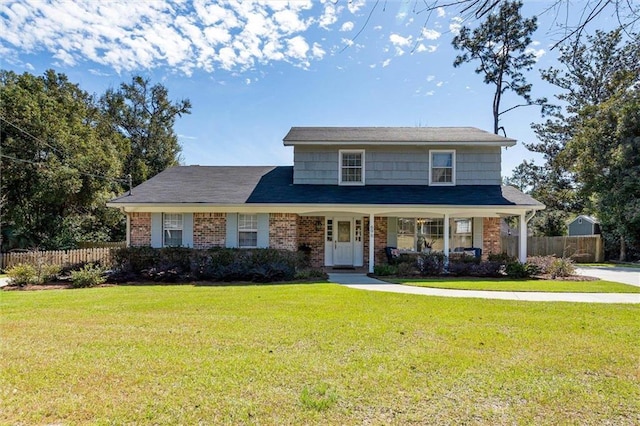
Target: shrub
543,263
385,270
22,274
475,268
503,258
311,274
25,274
562,268
90,275
431,264
520,270
216,264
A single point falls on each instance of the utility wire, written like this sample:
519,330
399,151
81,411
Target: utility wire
21,160
55,149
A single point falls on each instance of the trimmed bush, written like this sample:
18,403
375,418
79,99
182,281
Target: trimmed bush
520,270
431,264
216,264
90,275
385,270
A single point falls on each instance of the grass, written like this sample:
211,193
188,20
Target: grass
554,286
309,354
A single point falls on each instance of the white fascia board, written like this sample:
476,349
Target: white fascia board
325,209
505,143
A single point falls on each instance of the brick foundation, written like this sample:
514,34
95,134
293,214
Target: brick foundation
140,229
379,240
491,242
209,230
283,231
309,234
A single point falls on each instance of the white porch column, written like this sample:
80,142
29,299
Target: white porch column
523,237
446,237
371,243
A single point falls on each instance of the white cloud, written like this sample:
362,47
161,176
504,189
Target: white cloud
430,48
538,53
377,27
430,34
439,84
386,63
347,26
125,36
355,5
456,25
430,93
431,77
441,12
317,51
247,81
329,16
398,40
298,47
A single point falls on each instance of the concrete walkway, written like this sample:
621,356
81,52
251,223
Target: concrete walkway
363,282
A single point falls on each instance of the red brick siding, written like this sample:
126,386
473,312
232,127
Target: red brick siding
209,230
314,238
140,229
283,231
491,242
379,240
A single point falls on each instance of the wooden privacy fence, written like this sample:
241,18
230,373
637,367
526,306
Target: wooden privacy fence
58,257
587,248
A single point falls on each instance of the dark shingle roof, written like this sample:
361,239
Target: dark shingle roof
273,185
394,135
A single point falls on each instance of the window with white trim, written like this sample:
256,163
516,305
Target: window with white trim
442,167
172,226
420,234
248,230
351,167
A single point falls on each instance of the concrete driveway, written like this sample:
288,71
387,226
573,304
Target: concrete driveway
617,274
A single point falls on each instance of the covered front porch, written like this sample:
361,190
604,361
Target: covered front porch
354,238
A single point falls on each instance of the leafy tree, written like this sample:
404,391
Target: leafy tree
500,44
59,160
604,154
145,116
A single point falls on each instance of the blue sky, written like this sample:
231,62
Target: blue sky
252,69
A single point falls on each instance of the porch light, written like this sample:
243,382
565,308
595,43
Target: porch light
319,225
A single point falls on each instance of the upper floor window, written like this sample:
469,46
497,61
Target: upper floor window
248,230
442,167
351,167
172,226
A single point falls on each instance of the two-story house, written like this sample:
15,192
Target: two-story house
351,192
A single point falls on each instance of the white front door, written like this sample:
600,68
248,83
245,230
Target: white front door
343,242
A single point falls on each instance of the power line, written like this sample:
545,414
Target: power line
22,160
30,135
55,149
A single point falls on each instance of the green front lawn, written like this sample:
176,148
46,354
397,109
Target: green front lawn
598,286
309,354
